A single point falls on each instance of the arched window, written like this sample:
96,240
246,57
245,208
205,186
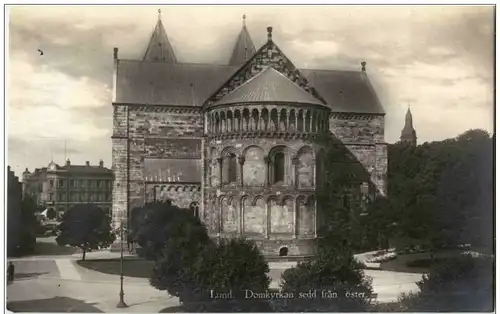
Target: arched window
230,168
279,167
283,251
195,209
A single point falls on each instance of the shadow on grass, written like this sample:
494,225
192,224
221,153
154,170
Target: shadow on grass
51,248
132,266
28,275
56,304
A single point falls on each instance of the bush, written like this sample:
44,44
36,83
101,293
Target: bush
461,284
331,273
155,223
233,268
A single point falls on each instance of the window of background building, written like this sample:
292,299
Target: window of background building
99,183
82,183
51,183
108,196
51,196
72,183
61,183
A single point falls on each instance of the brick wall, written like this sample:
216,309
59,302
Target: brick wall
363,136
120,164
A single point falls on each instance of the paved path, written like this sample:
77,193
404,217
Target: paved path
57,283
67,269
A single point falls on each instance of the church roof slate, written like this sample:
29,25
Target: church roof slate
269,86
244,48
159,48
160,83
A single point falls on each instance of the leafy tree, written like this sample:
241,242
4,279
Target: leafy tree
29,225
155,223
335,271
184,238
85,226
455,285
51,213
234,267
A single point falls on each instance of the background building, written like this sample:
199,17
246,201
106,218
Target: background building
61,187
236,143
408,134
14,223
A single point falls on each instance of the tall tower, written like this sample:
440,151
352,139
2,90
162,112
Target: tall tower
408,134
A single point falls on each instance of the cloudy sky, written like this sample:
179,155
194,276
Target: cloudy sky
437,58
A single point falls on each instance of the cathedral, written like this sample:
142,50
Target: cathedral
236,143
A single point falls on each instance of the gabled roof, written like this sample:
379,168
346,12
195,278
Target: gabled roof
176,84
345,91
159,48
244,48
159,83
269,86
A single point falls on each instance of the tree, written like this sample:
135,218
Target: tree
234,267
463,284
155,223
85,226
334,272
51,213
29,225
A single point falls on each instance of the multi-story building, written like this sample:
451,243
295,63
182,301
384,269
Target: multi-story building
237,143
14,199
61,187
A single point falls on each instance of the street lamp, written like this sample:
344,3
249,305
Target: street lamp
121,304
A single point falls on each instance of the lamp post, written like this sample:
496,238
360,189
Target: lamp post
121,304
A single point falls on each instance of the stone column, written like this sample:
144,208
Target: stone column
220,160
314,172
295,213
241,161
295,162
242,208
266,162
268,219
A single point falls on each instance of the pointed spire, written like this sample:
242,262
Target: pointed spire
244,48
408,134
159,48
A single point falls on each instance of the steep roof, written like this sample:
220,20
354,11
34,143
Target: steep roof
159,48
159,83
244,47
345,91
408,132
269,86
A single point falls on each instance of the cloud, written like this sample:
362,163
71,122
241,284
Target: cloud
439,57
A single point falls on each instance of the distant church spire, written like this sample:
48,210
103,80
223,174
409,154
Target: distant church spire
244,48
159,48
408,134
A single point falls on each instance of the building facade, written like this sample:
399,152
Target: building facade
61,187
237,143
14,221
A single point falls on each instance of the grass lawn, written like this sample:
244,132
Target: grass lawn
132,267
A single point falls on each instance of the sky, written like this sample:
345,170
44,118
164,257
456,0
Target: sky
439,60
